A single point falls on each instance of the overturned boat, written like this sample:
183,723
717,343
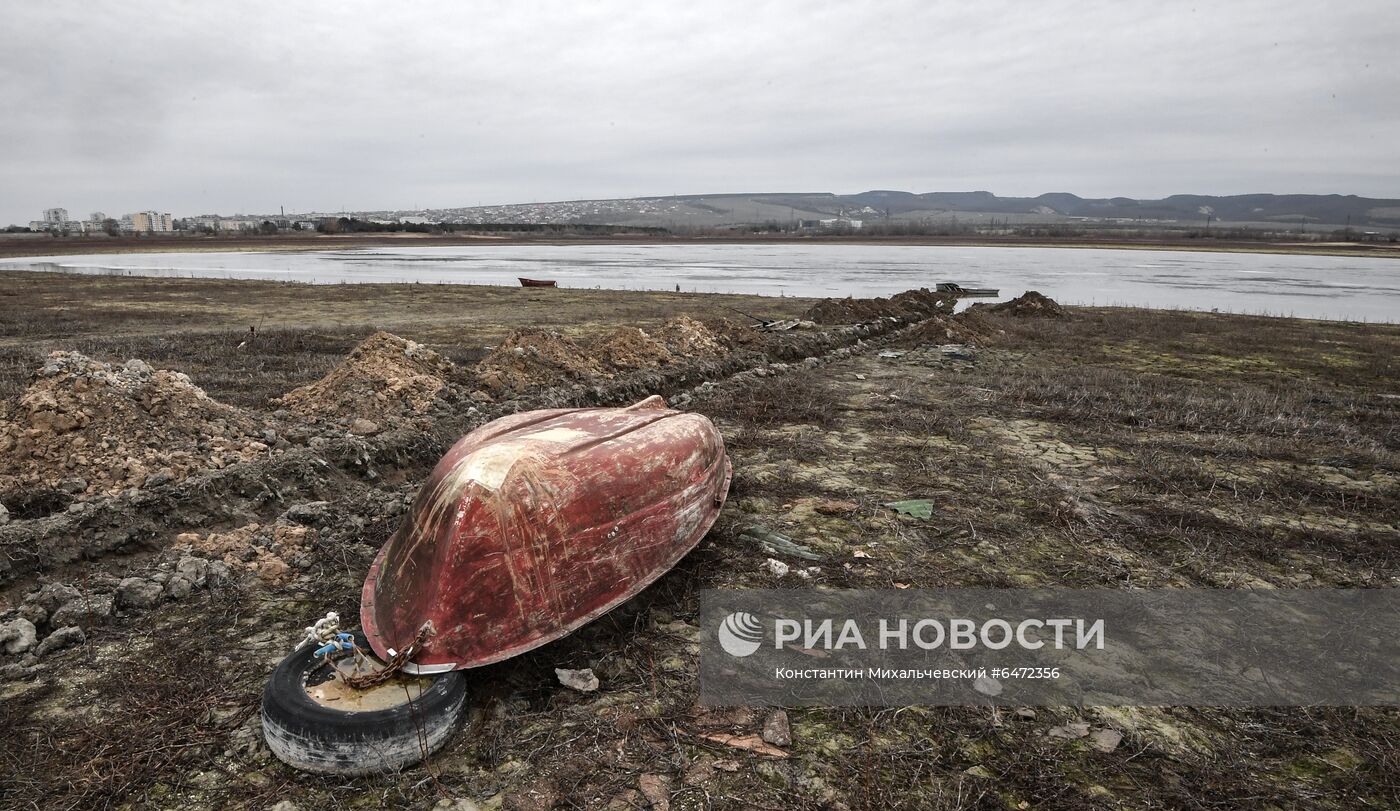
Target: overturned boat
538,523
528,528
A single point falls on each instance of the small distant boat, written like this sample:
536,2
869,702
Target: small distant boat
964,292
536,282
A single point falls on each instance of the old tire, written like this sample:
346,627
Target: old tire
307,735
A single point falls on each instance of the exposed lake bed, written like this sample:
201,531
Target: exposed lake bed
1357,288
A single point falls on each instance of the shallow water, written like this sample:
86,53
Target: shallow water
1332,287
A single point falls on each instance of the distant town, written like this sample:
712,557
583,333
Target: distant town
870,214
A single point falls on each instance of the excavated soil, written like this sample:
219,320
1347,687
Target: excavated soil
528,357
685,337
920,302
385,378
84,426
630,348
1029,305
959,329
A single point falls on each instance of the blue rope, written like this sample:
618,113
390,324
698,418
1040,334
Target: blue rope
342,642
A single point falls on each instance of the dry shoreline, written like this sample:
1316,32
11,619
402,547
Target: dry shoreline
48,246
1112,448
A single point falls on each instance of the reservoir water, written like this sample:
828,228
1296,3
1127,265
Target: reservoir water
1330,287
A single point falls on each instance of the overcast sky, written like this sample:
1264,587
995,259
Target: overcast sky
233,107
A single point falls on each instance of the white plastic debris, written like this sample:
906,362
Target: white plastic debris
775,567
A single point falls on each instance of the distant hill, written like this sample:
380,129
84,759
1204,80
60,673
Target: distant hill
1264,210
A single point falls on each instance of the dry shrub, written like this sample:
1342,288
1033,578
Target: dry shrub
799,397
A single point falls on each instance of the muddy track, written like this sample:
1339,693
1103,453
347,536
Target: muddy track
329,466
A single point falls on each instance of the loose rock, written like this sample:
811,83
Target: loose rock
17,636
582,680
60,639
776,728
137,592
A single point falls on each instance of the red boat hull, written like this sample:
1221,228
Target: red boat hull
536,282
540,522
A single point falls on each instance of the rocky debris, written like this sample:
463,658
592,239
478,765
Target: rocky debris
384,378
60,639
911,303
363,427
776,567
4,515
687,338
1029,305
627,348
138,592
18,636
115,424
534,357
50,596
310,513
193,569
776,728
585,681
270,552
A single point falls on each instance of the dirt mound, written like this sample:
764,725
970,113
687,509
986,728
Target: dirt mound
87,426
384,378
630,348
921,302
688,338
736,335
950,330
534,357
1030,305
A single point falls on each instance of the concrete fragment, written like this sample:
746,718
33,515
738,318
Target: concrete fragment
1105,740
60,639
582,680
18,636
1077,729
775,567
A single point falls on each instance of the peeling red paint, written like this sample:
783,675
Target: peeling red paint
537,523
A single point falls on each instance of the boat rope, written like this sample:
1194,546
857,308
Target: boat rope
332,644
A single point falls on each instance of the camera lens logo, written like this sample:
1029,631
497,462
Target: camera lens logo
740,634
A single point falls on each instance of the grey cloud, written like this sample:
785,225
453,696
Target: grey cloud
198,108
